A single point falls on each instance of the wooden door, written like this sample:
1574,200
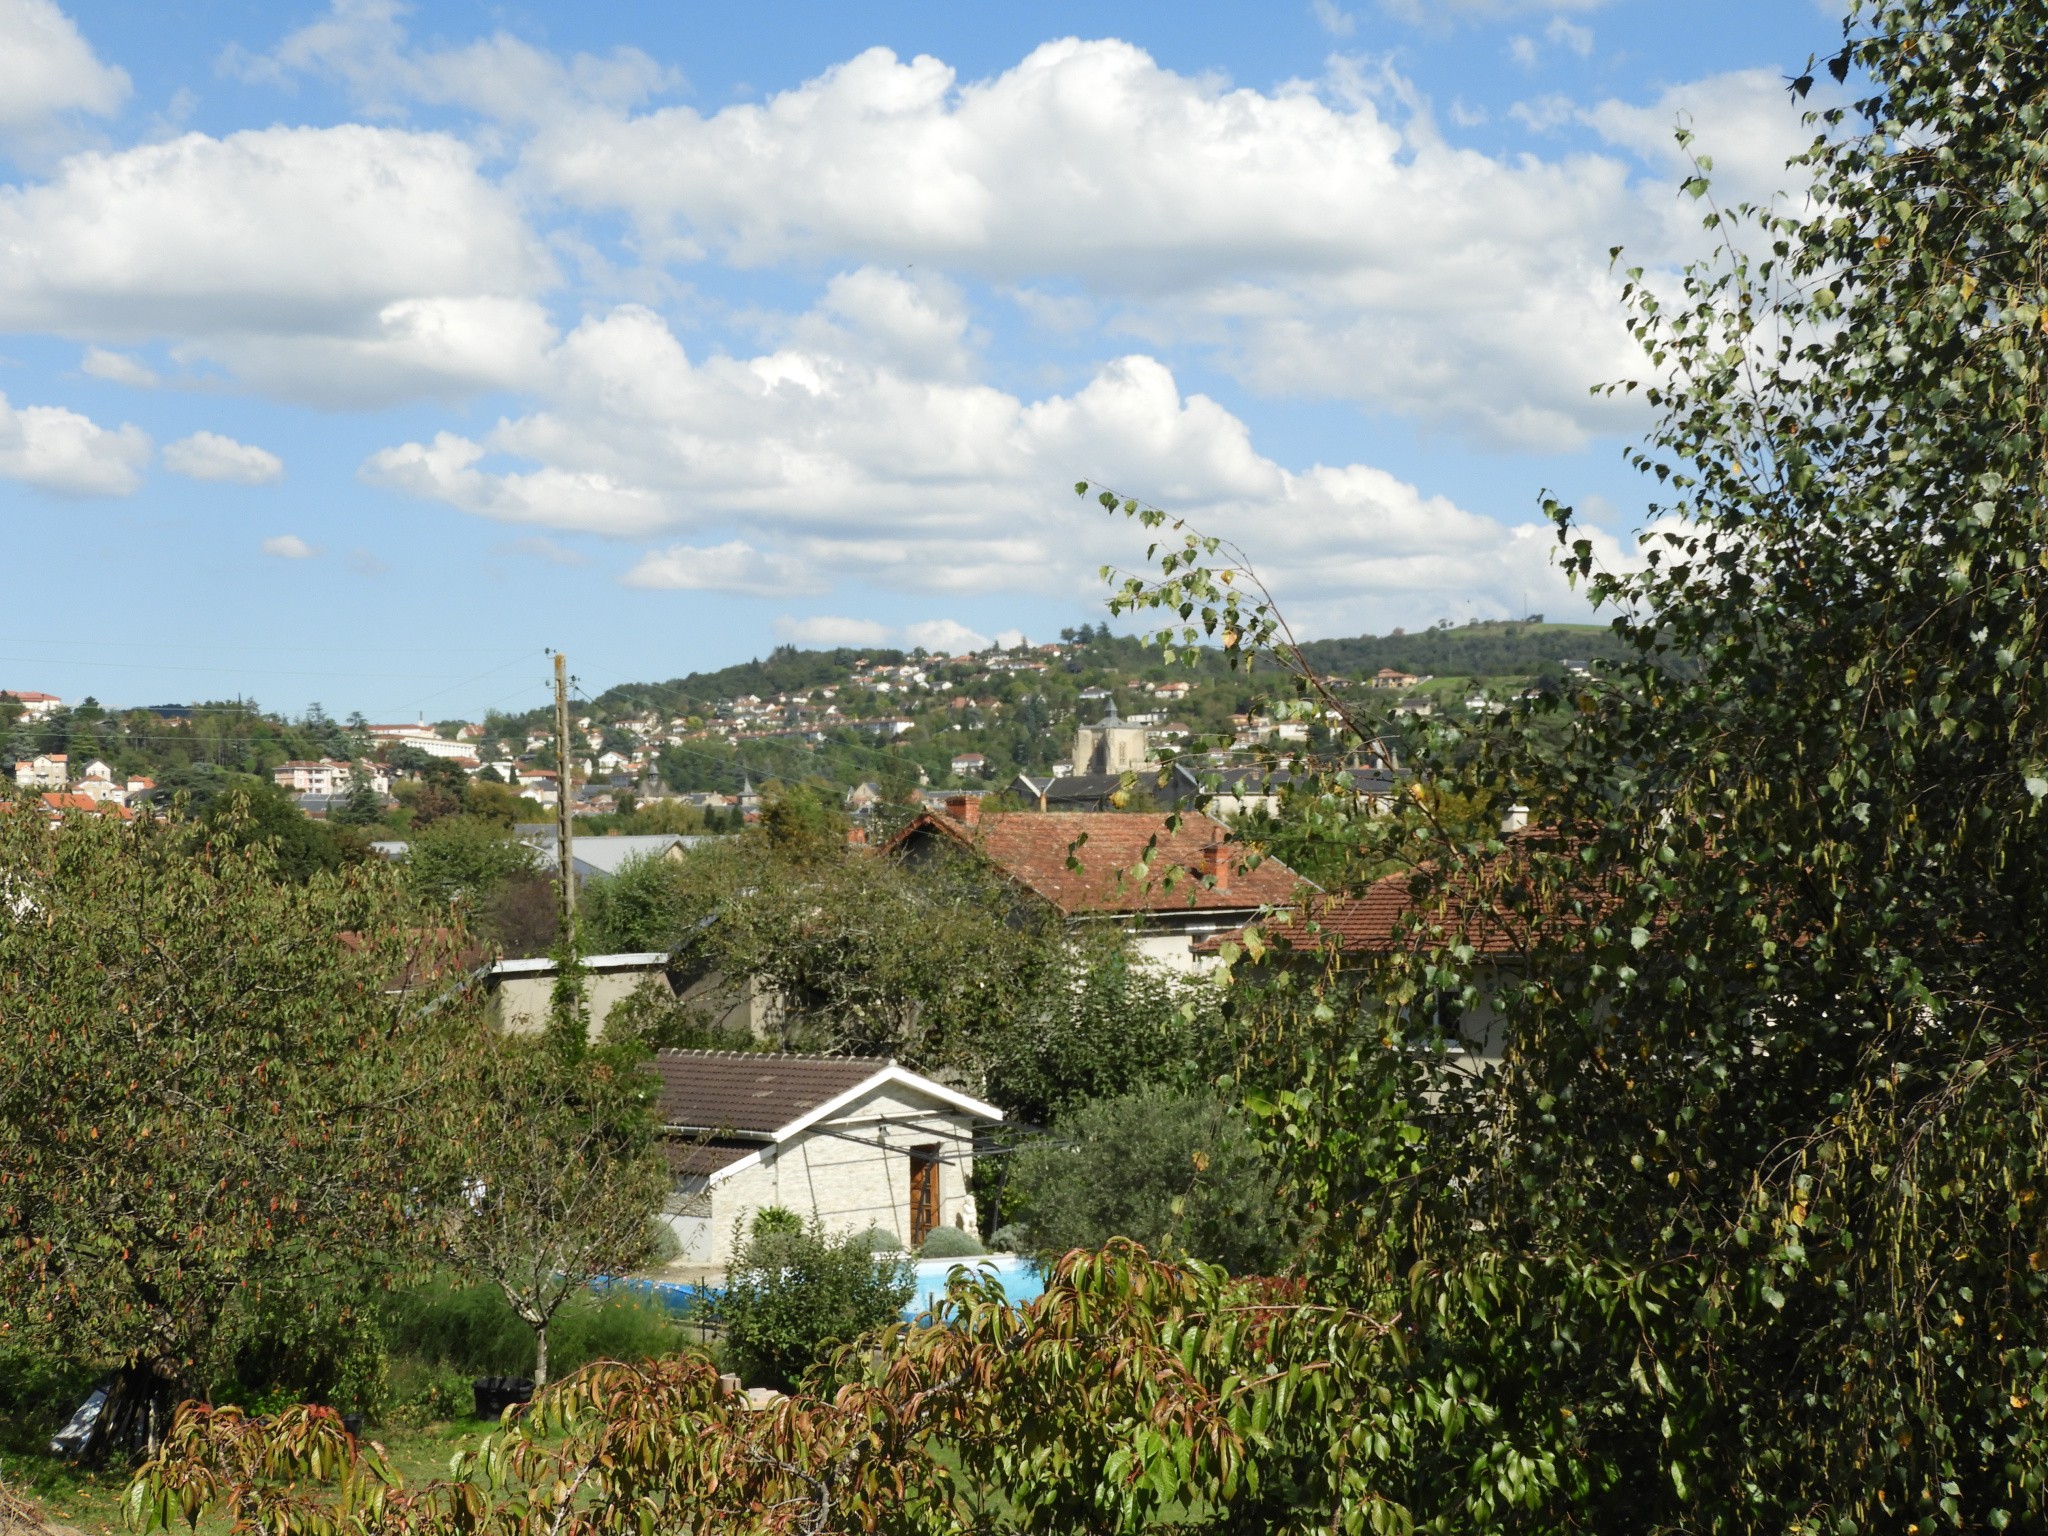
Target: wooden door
924,1193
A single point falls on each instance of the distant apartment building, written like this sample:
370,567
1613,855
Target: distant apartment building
46,770
34,706
423,738
326,776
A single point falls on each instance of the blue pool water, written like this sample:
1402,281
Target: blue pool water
1019,1276
1020,1279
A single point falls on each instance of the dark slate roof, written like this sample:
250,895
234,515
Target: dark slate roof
751,1091
685,1156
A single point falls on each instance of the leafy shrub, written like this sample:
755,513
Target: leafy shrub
420,1392
37,1393
465,856
773,1219
1175,1171
951,1243
881,1240
791,1296
471,1329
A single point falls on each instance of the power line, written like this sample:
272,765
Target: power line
519,660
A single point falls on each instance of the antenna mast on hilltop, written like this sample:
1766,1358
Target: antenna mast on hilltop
565,858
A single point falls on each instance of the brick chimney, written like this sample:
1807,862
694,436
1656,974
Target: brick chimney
964,808
1214,863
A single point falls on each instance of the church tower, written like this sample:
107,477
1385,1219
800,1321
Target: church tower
1110,746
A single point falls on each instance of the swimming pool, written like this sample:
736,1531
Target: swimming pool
1020,1279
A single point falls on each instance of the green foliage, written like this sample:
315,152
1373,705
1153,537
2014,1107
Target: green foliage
1743,1231
217,1109
1491,649
1108,1026
950,1243
240,812
775,1221
188,745
465,858
866,956
1176,1171
1328,834
499,803
791,1295
471,1329
648,905
562,1177
799,825
1124,1400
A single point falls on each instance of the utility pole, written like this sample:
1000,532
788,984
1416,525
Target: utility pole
565,859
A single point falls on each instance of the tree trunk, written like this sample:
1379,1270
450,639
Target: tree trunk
540,1356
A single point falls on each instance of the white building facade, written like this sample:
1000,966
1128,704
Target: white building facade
854,1144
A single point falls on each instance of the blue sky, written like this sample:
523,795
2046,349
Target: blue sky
357,351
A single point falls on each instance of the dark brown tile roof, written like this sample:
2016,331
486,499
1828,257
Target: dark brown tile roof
1033,848
751,1090
687,1156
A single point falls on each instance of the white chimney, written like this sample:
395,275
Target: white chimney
1516,818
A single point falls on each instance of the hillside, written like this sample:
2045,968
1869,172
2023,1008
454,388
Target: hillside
1518,650
843,716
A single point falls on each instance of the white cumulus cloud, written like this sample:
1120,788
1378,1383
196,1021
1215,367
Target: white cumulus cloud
1318,242
839,469
289,546
209,456
48,71
118,368
363,44
826,631
445,470
943,636
345,265
59,450
731,567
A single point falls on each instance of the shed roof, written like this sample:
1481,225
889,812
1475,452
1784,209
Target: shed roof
773,1095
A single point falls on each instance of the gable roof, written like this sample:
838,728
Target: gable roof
58,804
1414,909
774,1096
1033,848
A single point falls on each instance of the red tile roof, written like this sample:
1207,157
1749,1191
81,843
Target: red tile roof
1033,849
1407,910
60,803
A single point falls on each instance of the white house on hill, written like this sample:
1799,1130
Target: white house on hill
854,1143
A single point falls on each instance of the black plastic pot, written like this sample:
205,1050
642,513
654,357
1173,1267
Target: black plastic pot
494,1394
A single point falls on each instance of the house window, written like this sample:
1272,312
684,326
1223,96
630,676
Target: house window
924,1192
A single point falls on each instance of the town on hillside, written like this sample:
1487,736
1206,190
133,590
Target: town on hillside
1052,726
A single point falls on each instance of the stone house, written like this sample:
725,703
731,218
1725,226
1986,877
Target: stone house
854,1143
